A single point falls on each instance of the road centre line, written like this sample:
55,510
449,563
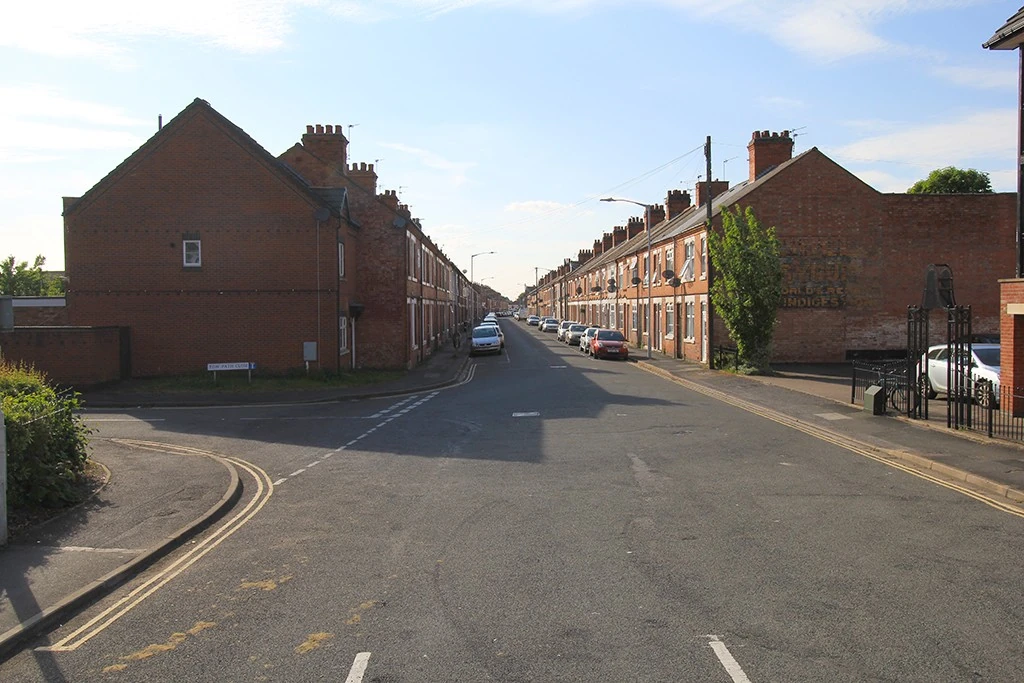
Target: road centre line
732,667
264,490
371,430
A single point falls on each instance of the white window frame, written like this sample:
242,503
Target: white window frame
670,259
703,257
670,320
343,335
688,254
198,261
341,260
690,332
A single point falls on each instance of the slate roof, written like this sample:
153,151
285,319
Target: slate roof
1010,35
202,107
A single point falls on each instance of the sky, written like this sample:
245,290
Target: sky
501,123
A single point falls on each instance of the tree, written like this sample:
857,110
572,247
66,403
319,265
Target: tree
952,180
23,280
747,284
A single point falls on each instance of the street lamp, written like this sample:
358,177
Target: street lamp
472,281
650,275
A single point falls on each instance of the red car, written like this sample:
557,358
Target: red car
609,344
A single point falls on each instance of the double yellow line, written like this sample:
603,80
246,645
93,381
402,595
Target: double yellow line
883,456
264,489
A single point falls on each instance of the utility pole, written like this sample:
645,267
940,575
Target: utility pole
711,311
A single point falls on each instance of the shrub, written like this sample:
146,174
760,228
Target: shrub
46,441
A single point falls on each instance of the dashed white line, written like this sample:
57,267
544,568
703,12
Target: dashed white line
355,674
297,472
732,667
280,481
531,414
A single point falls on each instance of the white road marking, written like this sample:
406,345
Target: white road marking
355,674
526,414
832,416
297,472
313,464
559,366
123,419
280,481
732,667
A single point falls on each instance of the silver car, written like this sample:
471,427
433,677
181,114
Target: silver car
586,337
984,369
486,339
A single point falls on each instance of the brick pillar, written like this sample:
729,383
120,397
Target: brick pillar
1011,341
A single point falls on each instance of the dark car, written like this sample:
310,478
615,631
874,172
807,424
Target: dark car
609,344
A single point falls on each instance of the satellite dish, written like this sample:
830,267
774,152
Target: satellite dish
668,274
322,214
636,281
675,282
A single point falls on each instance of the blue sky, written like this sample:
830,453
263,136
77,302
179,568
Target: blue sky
501,122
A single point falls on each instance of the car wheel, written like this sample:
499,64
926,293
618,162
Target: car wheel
929,389
983,394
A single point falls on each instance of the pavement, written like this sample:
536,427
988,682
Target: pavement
152,504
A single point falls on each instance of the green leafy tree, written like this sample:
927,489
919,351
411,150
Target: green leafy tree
21,279
952,180
747,284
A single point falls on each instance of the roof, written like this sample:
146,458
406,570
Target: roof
202,107
1010,35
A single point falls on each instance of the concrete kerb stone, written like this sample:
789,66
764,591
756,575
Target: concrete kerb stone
12,639
920,462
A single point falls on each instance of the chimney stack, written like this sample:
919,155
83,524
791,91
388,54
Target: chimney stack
363,175
717,188
607,241
327,144
634,227
768,150
619,235
597,247
657,213
676,203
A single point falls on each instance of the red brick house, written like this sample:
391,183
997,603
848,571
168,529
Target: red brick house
854,259
210,249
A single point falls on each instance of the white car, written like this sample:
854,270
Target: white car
500,333
563,327
984,365
485,339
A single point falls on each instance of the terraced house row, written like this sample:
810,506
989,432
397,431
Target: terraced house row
202,247
854,259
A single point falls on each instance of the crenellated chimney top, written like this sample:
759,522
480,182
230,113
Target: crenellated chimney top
767,150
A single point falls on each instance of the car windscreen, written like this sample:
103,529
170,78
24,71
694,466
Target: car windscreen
485,332
989,356
577,328
610,335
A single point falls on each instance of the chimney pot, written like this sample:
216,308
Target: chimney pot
309,130
329,129
319,129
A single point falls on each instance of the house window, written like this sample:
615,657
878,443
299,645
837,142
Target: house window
192,253
703,257
342,334
341,259
670,259
657,267
689,334
686,273
634,316
670,319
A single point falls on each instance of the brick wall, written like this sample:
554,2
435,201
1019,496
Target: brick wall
36,311
80,357
268,279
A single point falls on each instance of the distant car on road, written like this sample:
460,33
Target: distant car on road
549,325
609,344
573,334
562,327
533,320
486,339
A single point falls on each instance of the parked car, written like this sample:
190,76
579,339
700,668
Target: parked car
573,334
486,339
984,372
533,320
490,317
549,325
562,327
608,344
500,333
586,338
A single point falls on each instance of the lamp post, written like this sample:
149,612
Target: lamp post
472,282
650,275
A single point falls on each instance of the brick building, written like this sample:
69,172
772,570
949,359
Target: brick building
854,259
209,249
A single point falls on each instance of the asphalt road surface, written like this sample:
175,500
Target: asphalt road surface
555,518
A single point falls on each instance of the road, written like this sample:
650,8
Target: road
555,518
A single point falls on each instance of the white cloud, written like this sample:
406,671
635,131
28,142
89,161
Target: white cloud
536,206
826,29
1003,79
456,169
982,135
38,124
